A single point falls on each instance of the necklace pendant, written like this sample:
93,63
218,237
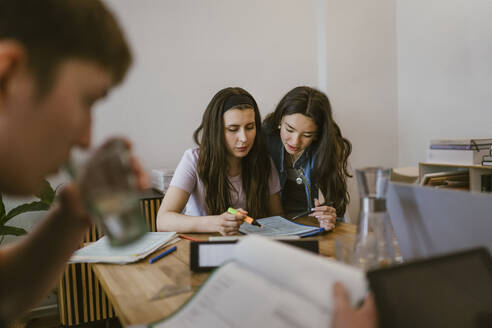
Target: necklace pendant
298,180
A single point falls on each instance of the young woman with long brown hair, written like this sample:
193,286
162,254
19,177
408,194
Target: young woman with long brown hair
310,154
229,168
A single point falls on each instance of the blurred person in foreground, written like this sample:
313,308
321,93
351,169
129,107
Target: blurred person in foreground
57,58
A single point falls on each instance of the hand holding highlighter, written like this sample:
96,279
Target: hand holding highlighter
247,219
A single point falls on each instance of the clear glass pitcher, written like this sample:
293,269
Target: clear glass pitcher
374,242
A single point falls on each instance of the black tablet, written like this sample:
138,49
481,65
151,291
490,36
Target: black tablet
446,291
207,255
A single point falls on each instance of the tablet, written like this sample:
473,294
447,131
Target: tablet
447,291
207,255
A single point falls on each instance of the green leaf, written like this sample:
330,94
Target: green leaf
28,207
8,230
46,194
2,210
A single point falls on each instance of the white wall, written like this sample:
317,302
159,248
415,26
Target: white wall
444,73
361,77
188,50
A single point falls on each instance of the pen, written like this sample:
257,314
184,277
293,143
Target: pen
329,203
247,219
160,256
189,238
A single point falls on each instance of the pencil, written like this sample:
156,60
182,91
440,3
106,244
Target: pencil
329,203
189,238
160,256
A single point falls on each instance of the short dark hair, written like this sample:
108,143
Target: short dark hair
52,31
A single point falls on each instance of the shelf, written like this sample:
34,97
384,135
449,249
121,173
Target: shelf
475,172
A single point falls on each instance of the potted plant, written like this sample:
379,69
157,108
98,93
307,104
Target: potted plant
46,196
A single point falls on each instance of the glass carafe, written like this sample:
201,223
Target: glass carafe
374,243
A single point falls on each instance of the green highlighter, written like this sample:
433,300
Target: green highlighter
247,219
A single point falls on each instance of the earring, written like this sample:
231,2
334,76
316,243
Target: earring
278,126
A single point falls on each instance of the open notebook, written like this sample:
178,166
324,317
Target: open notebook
101,251
269,284
277,226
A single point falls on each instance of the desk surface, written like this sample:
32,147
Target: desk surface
130,287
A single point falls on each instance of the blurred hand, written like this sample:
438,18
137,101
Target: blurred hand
228,224
326,215
345,316
107,158
140,174
71,204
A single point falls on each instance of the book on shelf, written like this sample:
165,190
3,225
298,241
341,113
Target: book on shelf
269,284
457,156
455,179
460,147
463,142
486,183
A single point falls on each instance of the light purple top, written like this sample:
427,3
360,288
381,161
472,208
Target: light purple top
186,178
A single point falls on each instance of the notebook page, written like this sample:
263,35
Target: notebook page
296,269
235,297
276,226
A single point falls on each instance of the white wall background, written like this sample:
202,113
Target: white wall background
398,72
444,73
187,50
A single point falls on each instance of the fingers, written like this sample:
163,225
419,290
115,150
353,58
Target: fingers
229,224
341,297
369,306
327,225
72,204
229,228
325,209
141,175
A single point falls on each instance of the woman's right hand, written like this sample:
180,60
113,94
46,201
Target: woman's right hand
228,224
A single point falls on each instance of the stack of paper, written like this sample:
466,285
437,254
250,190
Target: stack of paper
277,226
102,252
161,178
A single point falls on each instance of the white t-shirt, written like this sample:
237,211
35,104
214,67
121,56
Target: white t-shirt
186,178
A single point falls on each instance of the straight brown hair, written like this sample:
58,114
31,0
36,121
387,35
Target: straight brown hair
212,159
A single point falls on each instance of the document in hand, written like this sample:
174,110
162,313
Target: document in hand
102,252
269,284
277,226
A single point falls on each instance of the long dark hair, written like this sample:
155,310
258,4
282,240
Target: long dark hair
212,159
332,150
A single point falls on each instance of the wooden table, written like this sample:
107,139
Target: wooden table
130,287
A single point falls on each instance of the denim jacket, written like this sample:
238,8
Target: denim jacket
303,165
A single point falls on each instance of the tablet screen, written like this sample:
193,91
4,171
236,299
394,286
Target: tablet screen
447,291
